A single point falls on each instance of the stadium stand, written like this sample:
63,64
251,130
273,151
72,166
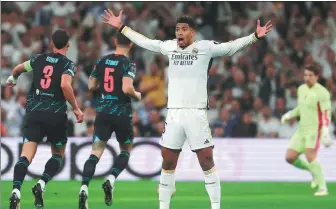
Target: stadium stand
248,93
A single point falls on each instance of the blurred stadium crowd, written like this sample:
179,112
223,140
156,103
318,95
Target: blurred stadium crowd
248,93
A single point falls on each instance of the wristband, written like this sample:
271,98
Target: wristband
256,35
122,28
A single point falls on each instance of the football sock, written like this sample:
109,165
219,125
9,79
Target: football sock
51,168
213,187
20,171
316,168
301,163
120,163
17,192
166,188
89,169
111,178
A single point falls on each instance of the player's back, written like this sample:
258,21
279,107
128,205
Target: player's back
46,94
109,71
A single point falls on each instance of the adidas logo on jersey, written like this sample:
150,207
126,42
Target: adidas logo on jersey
206,141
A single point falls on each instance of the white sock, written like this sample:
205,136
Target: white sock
85,188
111,178
17,192
166,188
42,183
213,187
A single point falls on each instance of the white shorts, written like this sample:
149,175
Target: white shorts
186,124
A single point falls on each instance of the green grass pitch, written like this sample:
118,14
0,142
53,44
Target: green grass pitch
189,195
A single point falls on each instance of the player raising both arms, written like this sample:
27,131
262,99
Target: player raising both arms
112,81
313,108
45,113
189,62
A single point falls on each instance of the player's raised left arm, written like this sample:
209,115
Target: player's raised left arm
135,37
230,48
18,70
11,80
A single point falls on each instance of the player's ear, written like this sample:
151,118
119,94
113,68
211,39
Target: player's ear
114,40
193,32
51,45
68,44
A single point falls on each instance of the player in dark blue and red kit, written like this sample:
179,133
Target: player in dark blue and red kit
46,114
112,81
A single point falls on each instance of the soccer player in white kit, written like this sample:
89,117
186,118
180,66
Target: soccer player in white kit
189,62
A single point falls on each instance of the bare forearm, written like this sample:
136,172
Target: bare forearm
130,92
93,84
18,70
93,87
69,96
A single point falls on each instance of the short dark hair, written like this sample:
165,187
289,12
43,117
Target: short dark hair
313,68
60,38
122,39
188,20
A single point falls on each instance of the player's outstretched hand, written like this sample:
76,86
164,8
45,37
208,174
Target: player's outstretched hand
262,31
111,19
79,115
11,81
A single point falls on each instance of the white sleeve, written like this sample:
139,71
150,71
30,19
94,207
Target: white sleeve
143,41
230,48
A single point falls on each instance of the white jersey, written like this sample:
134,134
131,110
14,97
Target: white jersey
188,68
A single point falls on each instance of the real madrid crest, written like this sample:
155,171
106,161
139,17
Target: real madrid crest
195,51
37,92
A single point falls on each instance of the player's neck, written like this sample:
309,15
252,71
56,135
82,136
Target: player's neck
311,86
121,51
60,51
187,45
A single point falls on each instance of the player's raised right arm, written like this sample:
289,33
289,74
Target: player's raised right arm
137,38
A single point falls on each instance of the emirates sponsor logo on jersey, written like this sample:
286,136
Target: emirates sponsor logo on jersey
186,57
183,59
